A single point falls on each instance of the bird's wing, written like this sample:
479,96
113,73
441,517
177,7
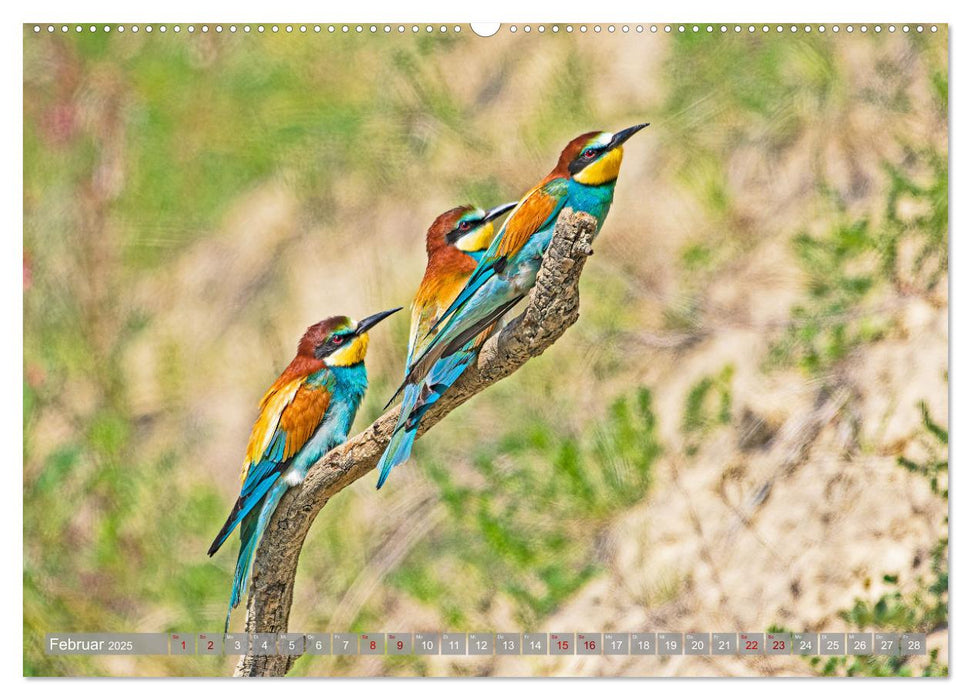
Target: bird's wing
423,315
432,299
421,319
536,211
481,329
290,413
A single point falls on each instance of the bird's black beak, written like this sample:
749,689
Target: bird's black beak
624,134
372,321
496,212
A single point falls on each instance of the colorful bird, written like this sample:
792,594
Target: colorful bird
307,412
583,180
455,242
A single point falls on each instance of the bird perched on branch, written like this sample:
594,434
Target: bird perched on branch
455,242
583,180
307,412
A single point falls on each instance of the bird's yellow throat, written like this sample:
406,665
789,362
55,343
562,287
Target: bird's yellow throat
351,354
606,169
477,240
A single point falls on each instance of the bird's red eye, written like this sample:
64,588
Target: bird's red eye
338,339
589,153
464,226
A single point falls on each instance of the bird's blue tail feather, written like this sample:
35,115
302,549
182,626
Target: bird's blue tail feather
399,450
250,533
416,402
402,439
244,505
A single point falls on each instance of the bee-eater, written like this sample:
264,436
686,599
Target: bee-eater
307,412
455,242
584,180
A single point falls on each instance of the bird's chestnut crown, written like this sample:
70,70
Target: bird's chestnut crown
338,341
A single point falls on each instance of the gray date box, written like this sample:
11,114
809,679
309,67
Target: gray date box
372,643
535,643
562,643
751,643
590,643
399,643
832,643
617,643
724,643
508,643
426,643
886,644
236,644
290,644
805,643
643,643
778,643
317,644
209,644
263,644
482,643
859,643
697,643
455,643
182,643
344,643
670,643
913,644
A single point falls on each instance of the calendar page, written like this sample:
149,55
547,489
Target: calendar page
511,350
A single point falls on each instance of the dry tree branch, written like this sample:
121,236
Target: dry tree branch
552,307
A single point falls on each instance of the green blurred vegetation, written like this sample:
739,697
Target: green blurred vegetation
707,405
138,149
529,524
848,264
921,608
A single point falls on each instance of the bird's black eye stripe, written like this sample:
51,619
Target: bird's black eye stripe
587,155
460,230
331,344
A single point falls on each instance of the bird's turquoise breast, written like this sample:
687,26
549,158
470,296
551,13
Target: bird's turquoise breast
346,386
350,384
594,200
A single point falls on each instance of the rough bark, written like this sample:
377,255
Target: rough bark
552,306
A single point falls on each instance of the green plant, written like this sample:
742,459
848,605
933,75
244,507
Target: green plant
707,405
841,271
852,262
